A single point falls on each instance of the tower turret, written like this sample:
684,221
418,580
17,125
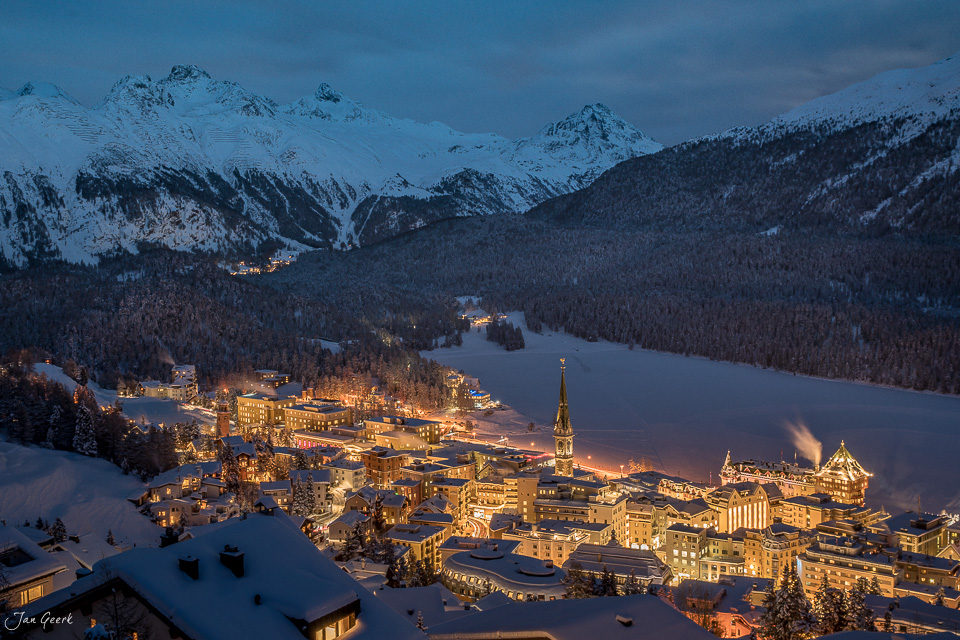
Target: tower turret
563,430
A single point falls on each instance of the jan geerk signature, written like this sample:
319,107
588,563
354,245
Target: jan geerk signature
17,618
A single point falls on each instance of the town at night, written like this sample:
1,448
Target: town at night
543,321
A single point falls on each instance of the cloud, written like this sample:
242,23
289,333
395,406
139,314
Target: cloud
676,70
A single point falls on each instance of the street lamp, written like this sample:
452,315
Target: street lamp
621,471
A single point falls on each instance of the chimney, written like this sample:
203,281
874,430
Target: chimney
232,559
168,538
190,566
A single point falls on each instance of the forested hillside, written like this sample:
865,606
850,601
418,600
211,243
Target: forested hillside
883,310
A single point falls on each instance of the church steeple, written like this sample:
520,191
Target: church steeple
563,430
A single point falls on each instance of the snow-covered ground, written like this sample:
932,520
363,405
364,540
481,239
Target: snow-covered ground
143,410
683,414
89,495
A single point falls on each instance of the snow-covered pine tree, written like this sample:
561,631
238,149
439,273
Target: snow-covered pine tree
58,531
825,609
299,505
939,598
300,462
607,584
84,438
875,587
379,522
577,583
631,585
310,495
860,617
796,605
53,423
420,624
230,470
110,539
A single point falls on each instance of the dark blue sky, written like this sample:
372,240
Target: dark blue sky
674,69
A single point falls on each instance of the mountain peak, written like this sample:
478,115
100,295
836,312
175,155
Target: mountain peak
326,93
594,130
42,90
187,72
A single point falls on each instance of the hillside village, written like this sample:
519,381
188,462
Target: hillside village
400,502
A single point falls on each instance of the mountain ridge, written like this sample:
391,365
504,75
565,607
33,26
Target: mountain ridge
191,162
881,156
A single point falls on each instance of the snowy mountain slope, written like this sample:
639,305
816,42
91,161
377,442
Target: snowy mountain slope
880,156
196,163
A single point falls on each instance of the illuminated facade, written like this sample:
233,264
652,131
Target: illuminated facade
260,408
843,477
743,504
563,430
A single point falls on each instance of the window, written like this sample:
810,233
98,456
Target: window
31,594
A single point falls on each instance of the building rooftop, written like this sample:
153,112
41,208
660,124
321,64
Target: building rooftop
413,532
281,569
910,523
27,560
619,560
638,617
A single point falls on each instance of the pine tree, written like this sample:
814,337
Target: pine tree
379,522
875,587
631,586
84,438
825,609
310,495
110,539
887,622
420,620
577,583
229,470
860,617
939,598
39,524
797,607
300,461
58,531
53,424
299,506
771,620
607,584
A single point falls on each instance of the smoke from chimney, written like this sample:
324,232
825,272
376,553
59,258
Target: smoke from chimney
808,446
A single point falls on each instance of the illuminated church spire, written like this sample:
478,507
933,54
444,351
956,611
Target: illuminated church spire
563,430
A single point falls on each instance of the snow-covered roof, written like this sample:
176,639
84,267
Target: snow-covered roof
88,549
318,475
350,518
638,617
293,580
39,565
435,603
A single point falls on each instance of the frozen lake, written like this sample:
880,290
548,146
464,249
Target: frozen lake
683,414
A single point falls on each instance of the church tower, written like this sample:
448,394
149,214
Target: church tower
562,430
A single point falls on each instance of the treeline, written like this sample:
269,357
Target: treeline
35,410
134,317
882,310
505,334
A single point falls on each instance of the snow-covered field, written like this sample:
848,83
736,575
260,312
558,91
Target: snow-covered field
143,410
683,414
89,495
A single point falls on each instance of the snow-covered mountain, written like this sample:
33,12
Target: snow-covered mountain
879,156
196,163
